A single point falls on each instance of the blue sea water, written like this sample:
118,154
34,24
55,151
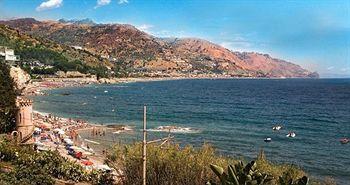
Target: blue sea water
235,115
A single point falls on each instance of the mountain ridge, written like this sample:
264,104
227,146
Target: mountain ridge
137,52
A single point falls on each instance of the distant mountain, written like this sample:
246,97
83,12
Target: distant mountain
140,53
77,21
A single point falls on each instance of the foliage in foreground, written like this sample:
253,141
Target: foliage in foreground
8,108
249,175
32,168
171,164
166,165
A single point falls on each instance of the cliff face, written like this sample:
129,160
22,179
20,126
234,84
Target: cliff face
20,77
138,51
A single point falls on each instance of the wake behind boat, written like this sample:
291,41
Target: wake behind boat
174,129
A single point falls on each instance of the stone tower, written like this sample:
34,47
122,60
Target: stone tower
24,121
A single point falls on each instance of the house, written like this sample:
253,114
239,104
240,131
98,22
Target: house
8,54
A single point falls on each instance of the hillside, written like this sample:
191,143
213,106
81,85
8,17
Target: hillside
60,57
134,52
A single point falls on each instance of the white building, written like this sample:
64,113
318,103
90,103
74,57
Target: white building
8,53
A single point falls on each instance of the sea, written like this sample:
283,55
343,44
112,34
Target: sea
233,115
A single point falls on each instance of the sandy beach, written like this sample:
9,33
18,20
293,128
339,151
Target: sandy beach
64,135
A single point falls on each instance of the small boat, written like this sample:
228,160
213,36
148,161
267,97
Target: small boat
344,141
291,134
65,94
268,139
277,127
106,91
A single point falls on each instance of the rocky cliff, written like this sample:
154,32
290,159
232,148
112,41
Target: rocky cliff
20,77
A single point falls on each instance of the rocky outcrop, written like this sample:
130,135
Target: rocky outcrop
20,77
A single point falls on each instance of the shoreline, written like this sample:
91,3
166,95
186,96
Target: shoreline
53,132
35,88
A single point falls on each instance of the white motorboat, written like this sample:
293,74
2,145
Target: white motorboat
268,139
291,134
277,127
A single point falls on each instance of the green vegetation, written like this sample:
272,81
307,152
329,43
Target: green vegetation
60,57
240,174
166,165
32,168
174,165
249,174
120,69
8,94
58,61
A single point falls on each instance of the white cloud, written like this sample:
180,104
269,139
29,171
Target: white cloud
345,69
102,3
226,44
50,4
123,2
145,27
330,68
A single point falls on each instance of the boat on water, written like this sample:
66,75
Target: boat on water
344,140
65,94
291,134
268,139
277,127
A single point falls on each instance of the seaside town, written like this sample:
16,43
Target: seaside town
50,133
128,92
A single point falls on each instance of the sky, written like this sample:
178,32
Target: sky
314,33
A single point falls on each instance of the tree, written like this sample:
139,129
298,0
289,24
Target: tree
8,109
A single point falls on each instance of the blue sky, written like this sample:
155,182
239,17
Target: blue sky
313,34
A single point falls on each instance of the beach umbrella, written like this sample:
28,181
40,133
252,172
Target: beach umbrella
104,167
87,153
59,131
75,148
38,143
68,141
87,163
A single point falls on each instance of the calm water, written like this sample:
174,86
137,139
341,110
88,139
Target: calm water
234,115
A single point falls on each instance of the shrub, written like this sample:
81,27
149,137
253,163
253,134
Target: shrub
167,165
35,168
8,108
276,170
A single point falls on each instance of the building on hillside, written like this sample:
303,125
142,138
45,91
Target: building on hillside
8,55
24,120
70,74
78,47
